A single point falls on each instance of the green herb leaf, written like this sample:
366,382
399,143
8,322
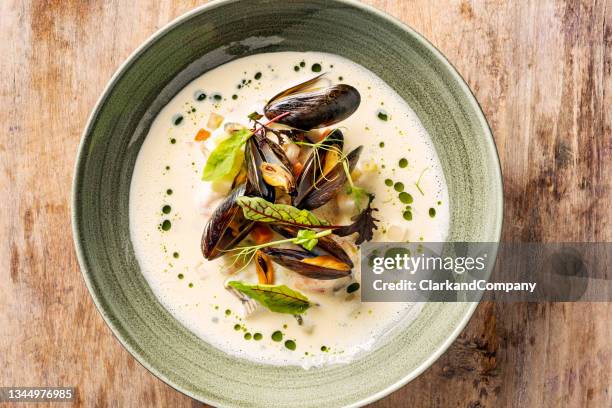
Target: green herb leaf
255,115
277,298
360,196
225,159
258,209
307,239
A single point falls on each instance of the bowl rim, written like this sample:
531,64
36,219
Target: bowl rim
123,68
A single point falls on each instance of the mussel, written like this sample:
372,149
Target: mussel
324,172
325,261
264,269
308,107
306,263
253,157
227,226
268,166
325,245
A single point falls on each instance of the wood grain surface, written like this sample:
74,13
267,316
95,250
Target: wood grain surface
542,71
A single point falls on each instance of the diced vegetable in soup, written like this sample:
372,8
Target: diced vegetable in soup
253,191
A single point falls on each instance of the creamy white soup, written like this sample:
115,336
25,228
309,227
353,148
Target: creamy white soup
171,204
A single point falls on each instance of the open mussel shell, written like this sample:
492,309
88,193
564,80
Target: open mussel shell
259,152
226,227
324,174
254,157
326,245
264,269
277,176
306,107
314,266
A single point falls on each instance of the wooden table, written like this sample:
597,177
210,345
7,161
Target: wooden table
542,73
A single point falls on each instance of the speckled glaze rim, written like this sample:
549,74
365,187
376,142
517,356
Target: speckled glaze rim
78,174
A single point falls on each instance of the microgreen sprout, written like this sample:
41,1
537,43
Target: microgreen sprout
306,238
359,194
417,184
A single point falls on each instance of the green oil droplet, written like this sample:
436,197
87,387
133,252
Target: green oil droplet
403,163
200,96
166,225
257,75
382,115
381,144
247,336
175,254
399,187
316,67
277,335
257,336
237,327
432,212
406,198
177,119
303,64
166,209
180,276
408,215
290,344
389,182
169,191
228,312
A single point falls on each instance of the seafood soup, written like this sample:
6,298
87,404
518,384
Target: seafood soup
255,187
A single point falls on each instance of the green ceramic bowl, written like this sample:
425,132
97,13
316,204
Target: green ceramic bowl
203,39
